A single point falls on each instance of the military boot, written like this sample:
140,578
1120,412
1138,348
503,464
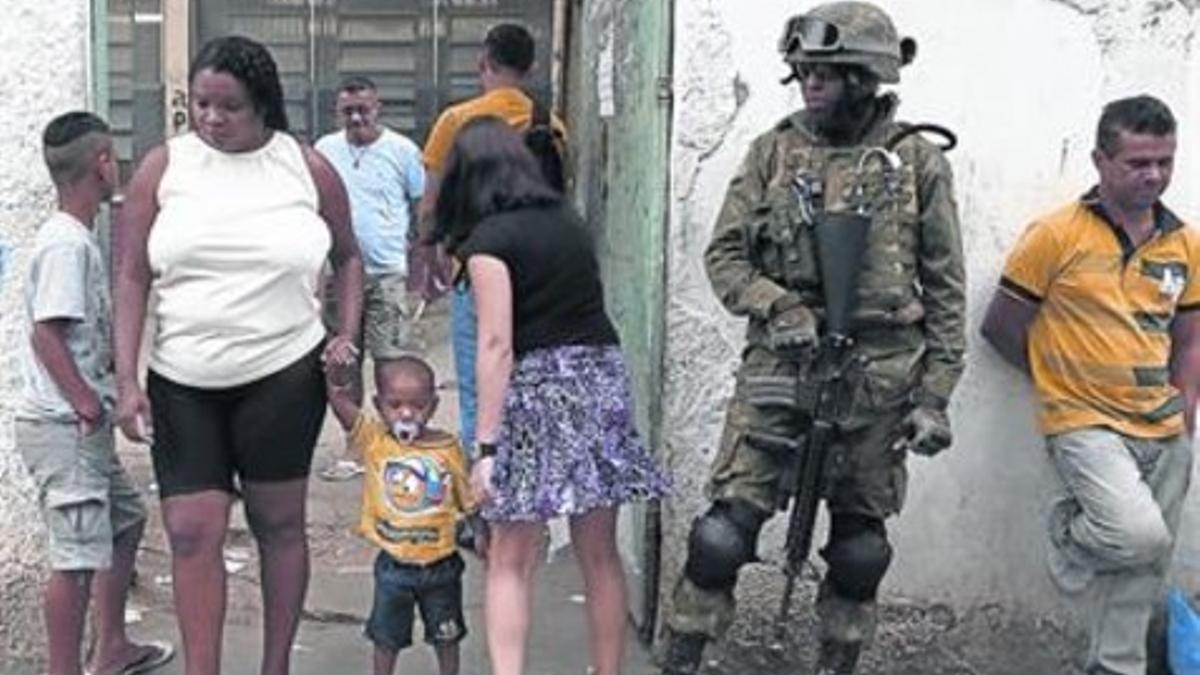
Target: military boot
837,658
682,653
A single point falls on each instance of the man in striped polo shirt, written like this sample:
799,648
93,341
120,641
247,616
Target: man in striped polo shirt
1097,303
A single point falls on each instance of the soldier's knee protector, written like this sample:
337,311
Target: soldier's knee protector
721,541
858,555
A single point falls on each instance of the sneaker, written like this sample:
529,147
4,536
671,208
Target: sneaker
341,470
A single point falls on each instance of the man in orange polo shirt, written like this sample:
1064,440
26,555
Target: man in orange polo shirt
1097,303
505,62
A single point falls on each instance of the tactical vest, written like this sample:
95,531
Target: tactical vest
887,321
781,239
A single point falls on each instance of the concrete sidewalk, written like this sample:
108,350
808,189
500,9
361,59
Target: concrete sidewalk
331,640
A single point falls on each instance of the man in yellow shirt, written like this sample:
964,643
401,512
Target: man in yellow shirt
1097,303
505,62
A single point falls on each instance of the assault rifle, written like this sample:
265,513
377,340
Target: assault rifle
822,396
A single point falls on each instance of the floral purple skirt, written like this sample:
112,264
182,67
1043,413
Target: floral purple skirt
568,443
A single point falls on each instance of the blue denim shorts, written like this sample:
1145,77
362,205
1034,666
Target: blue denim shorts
401,588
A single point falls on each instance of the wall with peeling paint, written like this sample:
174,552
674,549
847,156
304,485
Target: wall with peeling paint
1022,83
43,72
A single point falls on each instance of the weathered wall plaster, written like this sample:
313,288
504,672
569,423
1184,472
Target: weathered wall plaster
1022,83
42,73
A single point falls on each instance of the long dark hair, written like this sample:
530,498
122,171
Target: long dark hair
250,63
489,170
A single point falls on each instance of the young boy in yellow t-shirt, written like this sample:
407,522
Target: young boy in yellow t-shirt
415,492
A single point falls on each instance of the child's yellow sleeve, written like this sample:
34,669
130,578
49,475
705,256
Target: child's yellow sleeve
365,434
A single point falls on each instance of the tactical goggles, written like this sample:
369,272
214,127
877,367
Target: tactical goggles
810,35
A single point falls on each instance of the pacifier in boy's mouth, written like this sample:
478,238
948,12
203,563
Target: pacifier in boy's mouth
406,430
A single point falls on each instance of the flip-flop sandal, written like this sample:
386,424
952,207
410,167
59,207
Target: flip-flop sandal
154,654
159,652
343,469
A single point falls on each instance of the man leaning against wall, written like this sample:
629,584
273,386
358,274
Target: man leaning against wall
1097,304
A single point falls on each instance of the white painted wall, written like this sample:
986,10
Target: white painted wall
43,71
1022,83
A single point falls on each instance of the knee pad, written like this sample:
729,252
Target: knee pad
721,541
858,560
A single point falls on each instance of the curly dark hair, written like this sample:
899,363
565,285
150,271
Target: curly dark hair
250,63
489,170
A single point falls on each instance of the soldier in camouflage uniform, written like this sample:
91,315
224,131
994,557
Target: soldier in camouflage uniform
907,327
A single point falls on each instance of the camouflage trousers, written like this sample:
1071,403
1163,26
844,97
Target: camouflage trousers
864,477
389,328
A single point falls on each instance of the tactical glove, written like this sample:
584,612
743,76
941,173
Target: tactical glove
925,431
792,328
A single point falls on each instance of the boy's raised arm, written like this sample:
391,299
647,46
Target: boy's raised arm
343,386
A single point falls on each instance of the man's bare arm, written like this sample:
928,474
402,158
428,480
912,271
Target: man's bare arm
427,204
1006,327
1185,362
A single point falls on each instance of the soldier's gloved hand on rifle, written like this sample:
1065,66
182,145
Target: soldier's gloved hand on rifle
792,327
925,431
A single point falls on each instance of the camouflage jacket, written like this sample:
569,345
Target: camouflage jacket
909,324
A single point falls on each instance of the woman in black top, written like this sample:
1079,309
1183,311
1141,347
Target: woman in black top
555,427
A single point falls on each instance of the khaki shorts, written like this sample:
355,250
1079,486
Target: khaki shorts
389,328
85,495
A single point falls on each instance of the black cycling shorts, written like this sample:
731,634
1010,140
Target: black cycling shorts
261,431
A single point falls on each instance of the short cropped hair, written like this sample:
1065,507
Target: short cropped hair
69,143
407,365
355,84
509,45
1135,115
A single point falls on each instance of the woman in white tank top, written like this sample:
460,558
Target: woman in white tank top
226,229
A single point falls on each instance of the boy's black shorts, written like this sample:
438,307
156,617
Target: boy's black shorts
400,588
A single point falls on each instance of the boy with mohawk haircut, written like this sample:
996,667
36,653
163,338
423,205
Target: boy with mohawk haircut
94,515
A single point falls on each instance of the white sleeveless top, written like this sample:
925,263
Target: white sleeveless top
235,254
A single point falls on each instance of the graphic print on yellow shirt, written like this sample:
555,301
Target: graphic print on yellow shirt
413,493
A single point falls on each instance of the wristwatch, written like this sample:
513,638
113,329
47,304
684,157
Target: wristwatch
485,449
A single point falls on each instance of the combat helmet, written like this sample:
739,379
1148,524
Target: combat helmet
848,32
